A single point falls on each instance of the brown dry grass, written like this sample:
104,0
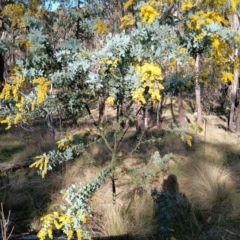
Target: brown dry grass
134,217
208,174
208,186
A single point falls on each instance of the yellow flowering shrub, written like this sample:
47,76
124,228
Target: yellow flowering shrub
42,88
186,5
227,77
100,27
148,14
64,143
20,105
60,220
201,18
8,121
187,138
6,91
229,7
127,21
110,101
11,89
150,77
15,12
24,44
128,4
41,163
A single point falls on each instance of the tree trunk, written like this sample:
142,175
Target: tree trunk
139,122
234,21
2,67
172,111
158,113
2,80
238,117
233,97
125,113
101,107
181,116
198,92
145,118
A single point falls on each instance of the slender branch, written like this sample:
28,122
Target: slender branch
4,224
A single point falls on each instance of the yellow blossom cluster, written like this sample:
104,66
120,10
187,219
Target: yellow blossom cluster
227,77
187,5
24,44
34,5
187,138
192,129
8,121
220,58
6,92
42,88
128,4
110,64
12,89
149,72
230,7
15,12
127,21
138,95
41,163
113,63
110,101
64,143
20,105
57,220
150,75
19,117
201,18
155,4
148,14
199,36
100,27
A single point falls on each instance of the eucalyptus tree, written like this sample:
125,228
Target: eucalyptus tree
211,40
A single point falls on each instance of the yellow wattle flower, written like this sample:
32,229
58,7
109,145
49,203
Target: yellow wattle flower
100,27
110,101
128,4
148,14
42,88
186,5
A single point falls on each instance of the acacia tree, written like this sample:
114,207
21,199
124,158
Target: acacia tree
130,65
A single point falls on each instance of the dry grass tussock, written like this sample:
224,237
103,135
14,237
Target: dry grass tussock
134,218
209,187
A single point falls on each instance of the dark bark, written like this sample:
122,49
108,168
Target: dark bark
125,113
2,80
172,112
139,122
101,106
158,113
181,116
